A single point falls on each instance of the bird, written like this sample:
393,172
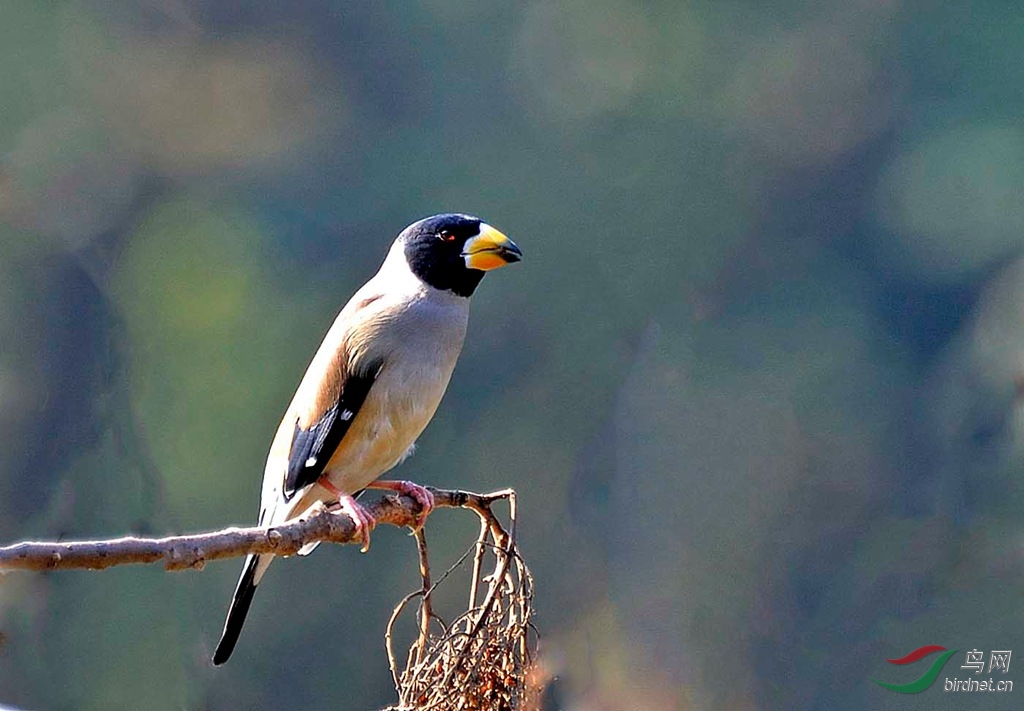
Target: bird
373,386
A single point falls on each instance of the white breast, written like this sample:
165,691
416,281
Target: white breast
419,336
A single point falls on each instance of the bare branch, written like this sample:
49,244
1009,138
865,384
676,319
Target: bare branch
193,551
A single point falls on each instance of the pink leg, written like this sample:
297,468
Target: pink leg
363,519
422,495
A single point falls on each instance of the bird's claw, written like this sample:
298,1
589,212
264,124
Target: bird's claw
361,518
421,494
425,498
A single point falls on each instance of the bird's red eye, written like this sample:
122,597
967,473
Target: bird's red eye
446,236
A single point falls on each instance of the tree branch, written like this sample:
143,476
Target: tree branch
193,551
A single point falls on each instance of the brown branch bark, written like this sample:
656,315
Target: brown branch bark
193,551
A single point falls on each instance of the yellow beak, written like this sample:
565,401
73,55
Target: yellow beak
490,249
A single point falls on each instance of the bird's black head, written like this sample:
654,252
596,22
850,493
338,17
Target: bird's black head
451,252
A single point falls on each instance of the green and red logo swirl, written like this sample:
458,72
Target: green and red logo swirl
926,679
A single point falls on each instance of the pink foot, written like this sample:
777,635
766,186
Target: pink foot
422,495
363,519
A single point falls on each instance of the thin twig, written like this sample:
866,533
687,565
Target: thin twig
478,560
389,634
425,612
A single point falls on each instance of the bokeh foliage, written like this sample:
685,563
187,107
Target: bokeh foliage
757,381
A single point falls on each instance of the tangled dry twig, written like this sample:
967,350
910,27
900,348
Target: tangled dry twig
484,658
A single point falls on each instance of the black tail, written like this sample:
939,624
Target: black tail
244,591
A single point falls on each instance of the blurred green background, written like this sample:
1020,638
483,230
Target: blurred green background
758,380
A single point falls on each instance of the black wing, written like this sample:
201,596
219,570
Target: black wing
312,448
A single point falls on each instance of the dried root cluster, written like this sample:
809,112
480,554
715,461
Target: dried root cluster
484,659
